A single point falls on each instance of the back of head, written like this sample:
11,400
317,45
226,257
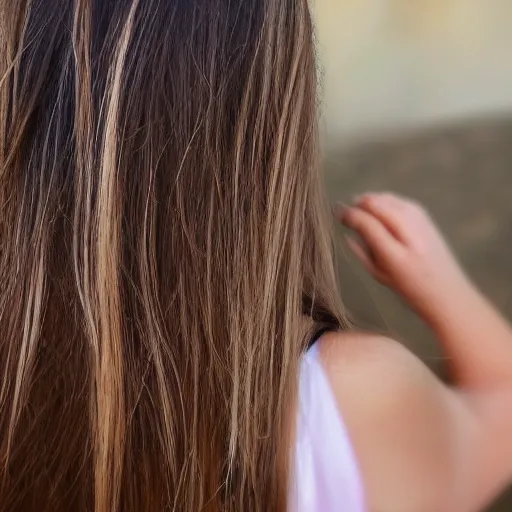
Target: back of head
163,251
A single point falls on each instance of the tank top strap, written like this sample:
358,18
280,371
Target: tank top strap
325,473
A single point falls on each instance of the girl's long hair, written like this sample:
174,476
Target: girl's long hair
165,254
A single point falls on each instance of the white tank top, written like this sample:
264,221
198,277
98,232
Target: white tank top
325,476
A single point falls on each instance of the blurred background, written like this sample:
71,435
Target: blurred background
417,98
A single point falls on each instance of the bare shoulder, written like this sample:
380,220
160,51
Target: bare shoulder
363,349
363,359
396,412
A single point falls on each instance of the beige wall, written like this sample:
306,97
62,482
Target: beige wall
392,64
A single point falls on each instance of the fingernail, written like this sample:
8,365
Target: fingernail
339,209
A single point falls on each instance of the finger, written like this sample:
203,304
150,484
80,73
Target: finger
403,204
366,260
391,211
397,199
372,231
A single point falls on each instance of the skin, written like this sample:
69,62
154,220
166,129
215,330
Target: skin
423,446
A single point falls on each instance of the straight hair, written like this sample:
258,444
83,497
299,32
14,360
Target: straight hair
165,251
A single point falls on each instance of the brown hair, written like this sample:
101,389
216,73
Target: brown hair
165,253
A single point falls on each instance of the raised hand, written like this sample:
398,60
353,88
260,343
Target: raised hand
402,248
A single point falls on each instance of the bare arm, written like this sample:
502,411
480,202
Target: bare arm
437,448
